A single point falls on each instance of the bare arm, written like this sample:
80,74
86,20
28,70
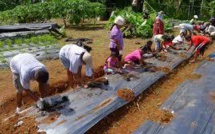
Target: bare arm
31,94
44,89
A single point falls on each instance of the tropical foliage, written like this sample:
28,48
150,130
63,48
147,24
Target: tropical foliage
140,27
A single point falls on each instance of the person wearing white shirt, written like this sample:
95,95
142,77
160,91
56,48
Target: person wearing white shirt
73,58
26,68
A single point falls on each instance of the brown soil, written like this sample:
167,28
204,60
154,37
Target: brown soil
11,126
166,116
163,69
136,112
126,94
194,76
147,103
161,116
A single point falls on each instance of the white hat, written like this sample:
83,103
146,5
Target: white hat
87,58
119,20
195,16
161,12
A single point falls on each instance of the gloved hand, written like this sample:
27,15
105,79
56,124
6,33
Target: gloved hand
40,104
120,52
18,110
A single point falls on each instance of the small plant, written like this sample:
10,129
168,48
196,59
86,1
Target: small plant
2,59
1,44
18,42
34,40
9,42
27,41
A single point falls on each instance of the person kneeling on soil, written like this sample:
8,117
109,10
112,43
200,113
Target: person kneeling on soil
134,58
73,58
26,68
180,39
199,42
112,64
161,42
168,45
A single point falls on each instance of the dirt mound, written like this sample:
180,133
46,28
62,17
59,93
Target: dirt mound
98,72
58,87
15,125
126,94
166,116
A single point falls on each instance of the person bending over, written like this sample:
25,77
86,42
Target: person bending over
73,58
26,68
199,42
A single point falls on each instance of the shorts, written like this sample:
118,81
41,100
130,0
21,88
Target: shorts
157,46
201,49
65,61
16,81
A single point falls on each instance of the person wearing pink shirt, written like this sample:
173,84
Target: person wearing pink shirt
134,58
112,64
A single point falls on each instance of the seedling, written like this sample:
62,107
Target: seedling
1,44
8,42
18,42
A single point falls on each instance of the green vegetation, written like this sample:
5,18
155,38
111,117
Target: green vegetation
2,59
18,41
70,10
140,27
41,40
8,42
1,44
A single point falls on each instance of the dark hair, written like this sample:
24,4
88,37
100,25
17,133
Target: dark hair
42,75
149,42
165,37
81,44
114,54
88,48
188,37
172,37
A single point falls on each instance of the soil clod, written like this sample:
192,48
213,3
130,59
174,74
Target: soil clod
126,94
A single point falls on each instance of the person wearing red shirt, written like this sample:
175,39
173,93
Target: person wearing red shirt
158,26
199,42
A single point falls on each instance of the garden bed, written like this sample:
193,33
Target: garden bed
192,104
78,115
